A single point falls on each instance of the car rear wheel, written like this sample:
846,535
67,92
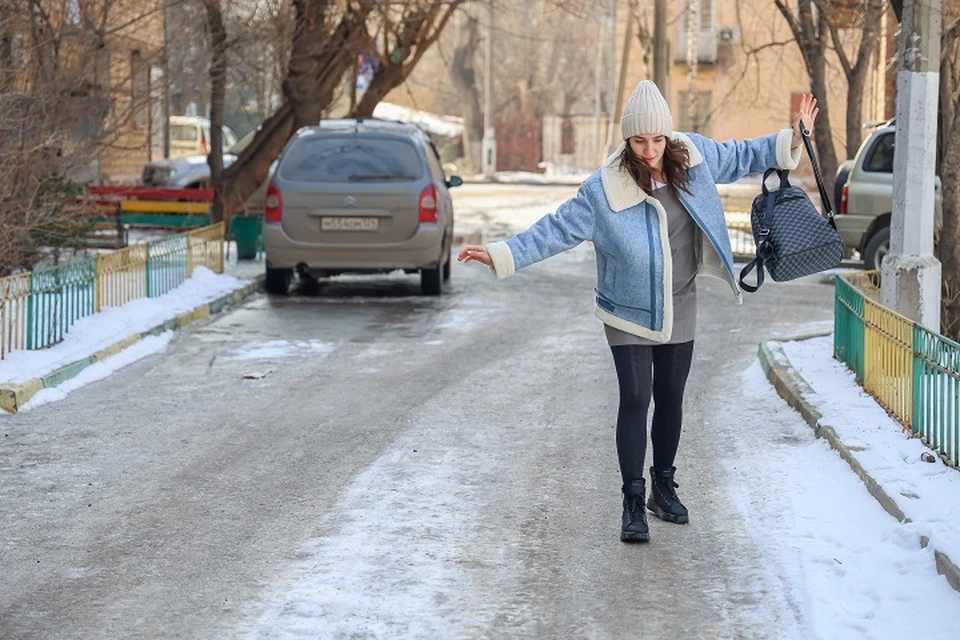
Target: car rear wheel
431,281
877,247
278,280
446,267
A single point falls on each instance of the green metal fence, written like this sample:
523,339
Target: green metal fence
37,309
166,264
912,371
936,391
59,296
848,326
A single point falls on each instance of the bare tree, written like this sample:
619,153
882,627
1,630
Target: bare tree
60,109
326,34
405,34
463,72
811,30
866,24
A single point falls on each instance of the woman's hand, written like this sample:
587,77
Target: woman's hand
475,253
807,114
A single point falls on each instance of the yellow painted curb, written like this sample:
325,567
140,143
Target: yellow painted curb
14,396
199,313
116,348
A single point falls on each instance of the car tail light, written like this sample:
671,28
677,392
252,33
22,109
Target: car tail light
428,204
273,204
205,146
844,196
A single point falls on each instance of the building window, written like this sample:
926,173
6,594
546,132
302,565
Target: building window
700,123
706,15
71,10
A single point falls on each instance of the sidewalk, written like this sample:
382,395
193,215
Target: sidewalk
915,488
100,344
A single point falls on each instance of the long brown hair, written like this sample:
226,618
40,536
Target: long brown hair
676,163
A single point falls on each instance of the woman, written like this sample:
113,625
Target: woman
655,218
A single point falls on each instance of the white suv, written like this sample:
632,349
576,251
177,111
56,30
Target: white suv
864,191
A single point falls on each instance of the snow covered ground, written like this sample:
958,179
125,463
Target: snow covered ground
857,571
861,573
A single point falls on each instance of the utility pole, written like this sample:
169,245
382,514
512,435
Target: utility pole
165,99
612,61
613,140
660,45
489,131
597,150
910,273
693,53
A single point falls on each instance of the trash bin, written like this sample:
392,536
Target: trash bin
246,233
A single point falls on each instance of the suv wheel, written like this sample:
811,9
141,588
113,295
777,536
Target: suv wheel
877,247
446,267
278,281
431,281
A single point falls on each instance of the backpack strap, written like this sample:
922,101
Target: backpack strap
764,250
824,198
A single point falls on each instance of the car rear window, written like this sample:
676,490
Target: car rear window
351,159
880,159
183,132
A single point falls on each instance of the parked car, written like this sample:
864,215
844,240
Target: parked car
190,136
358,196
864,191
193,172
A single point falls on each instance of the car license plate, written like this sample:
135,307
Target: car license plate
349,224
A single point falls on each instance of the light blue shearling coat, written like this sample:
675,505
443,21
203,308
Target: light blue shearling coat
629,230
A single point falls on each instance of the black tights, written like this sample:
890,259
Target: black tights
662,369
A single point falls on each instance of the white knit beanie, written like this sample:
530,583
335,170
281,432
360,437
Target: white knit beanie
646,112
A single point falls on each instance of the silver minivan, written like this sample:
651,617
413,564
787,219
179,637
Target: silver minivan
358,196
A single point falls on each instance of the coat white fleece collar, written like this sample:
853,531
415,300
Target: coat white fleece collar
621,191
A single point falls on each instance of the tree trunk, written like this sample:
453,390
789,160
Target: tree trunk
465,81
660,65
857,71
384,81
218,93
855,114
947,241
948,247
811,36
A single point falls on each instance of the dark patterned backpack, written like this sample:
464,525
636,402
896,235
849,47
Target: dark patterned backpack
793,240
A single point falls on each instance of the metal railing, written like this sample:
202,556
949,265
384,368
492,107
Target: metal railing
913,372
14,294
120,276
888,359
206,248
38,308
936,391
59,296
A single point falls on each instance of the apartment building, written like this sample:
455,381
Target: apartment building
82,72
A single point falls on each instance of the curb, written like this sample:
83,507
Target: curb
14,395
796,392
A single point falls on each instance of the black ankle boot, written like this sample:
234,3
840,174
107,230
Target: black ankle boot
663,501
634,527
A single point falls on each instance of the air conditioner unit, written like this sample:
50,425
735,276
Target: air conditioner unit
728,35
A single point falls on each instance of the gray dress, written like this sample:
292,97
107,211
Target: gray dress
683,234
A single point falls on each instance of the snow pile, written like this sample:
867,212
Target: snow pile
858,572
928,493
448,126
